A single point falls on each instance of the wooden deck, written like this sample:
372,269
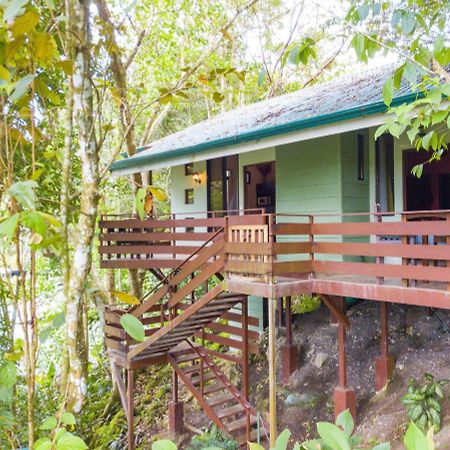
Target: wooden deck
400,261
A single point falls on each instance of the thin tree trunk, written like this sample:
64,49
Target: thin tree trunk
88,154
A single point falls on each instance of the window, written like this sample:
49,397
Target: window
360,156
384,149
189,196
189,169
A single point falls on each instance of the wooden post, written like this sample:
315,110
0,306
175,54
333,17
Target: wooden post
130,411
289,352
344,397
245,368
311,241
272,373
175,409
384,364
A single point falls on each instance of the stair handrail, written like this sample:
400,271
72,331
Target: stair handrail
176,269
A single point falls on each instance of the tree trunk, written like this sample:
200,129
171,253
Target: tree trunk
88,154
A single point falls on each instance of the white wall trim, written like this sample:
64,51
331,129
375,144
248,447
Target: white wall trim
282,139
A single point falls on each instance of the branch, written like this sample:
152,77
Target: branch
135,49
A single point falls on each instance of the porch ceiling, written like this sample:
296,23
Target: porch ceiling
312,112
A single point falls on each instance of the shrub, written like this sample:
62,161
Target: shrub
302,304
423,401
213,438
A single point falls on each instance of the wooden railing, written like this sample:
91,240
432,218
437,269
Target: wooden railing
128,242
410,247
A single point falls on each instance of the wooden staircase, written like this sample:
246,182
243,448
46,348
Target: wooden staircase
177,311
223,403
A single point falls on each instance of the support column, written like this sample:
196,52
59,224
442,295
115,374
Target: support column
130,409
340,305
384,363
176,415
272,373
289,351
245,368
344,397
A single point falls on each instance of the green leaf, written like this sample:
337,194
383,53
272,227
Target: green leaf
253,446
164,444
50,423
415,439
25,23
398,74
34,221
43,444
14,9
140,202
359,44
70,442
426,140
21,87
333,436
68,419
6,419
408,22
8,227
383,446
8,374
6,394
282,440
363,12
133,326
23,192
388,91
345,421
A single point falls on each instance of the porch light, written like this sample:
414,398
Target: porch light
228,173
197,178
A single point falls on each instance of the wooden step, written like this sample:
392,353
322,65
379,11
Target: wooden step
192,369
240,423
187,358
213,388
206,377
230,411
221,400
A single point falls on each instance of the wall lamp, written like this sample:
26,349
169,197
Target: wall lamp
197,178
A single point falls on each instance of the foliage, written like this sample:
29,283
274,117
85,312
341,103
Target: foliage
416,32
304,303
60,438
423,401
337,436
213,438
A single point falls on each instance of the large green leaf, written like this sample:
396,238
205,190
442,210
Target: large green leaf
34,221
164,444
23,192
8,226
388,91
415,439
68,441
254,446
333,436
50,423
8,374
25,23
140,202
43,444
346,422
282,440
68,418
21,86
133,326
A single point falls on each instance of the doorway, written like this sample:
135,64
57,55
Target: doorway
259,186
432,190
222,184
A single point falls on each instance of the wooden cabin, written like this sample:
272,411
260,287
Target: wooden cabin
286,196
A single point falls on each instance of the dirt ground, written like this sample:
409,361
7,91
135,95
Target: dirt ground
419,341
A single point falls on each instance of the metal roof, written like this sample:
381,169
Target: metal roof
344,98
